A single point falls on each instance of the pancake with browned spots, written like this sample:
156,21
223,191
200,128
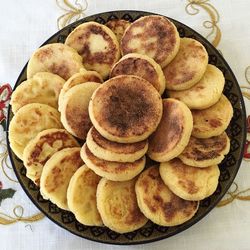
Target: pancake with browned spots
78,78
205,152
81,196
118,26
158,203
112,170
205,93
188,182
57,173
42,147
97,45
154,36
28,122
117,205
173,133
114,151
74,109
56,58
143,66
188,67
125,109
214,120
43,87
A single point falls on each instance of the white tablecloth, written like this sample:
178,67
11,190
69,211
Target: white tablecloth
25,25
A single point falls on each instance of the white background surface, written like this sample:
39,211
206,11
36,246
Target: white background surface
25,25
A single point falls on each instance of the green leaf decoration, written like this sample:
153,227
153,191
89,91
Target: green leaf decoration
6,193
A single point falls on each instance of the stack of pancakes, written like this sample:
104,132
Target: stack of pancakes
94,110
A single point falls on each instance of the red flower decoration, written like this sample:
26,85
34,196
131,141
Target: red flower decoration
247,145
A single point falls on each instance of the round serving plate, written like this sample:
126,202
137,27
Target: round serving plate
150,232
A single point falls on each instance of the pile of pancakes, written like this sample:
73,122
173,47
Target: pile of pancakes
95,109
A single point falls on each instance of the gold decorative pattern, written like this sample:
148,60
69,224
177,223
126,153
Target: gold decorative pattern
244,88
73,11
212,25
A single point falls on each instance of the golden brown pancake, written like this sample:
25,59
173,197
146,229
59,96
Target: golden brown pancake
114,151
97,45
188,67
57,173
28,122
213,120
173,133
116,202
143,66
78,78
81,196
74,109
43,87
154,36
112,170
42,147
205,152
188,182
118,26
125,109
158,203
56,58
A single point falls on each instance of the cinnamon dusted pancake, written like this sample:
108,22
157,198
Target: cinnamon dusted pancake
118,26
114,151
143,66
28,122
78,78
173,133
117,205
112,170
213,120
188,67
125,109
57,173
154,36
205,152
81,196
43,87
74,109
56,58
158,203
188,182
42,147
205,93
97,45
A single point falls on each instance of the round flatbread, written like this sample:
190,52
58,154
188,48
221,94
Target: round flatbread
28,122
114,151
143,66
205,93
205,152
112,170
158,203
57,173
118,26
188,67
154,36
42,147
125,109
81,196
116,203
173,133
188,182
43,87
78,78
56,58
74,109
214,120
97,45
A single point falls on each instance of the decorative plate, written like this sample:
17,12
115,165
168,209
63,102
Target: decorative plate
150,232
